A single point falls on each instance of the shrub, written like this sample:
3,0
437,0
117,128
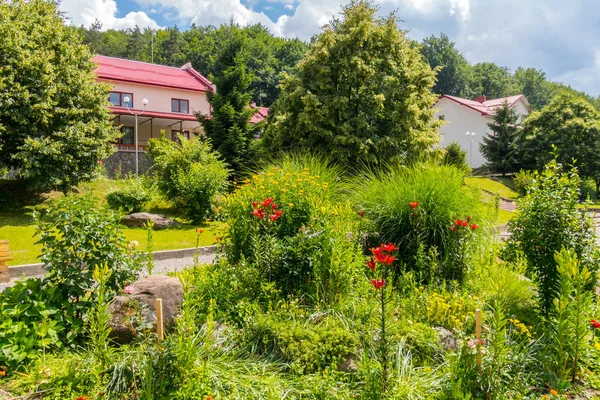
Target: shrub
188,173
547,220
427,211
131,199
523,180
456,156
305,249
76,237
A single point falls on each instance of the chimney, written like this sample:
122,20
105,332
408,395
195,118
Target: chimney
480,99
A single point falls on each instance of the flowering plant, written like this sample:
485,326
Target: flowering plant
378,264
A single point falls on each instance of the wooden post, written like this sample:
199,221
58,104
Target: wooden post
159,320
478,336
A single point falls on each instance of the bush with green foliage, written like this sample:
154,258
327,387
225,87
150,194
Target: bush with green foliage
523,180
133,198
305,249
428,211
77,237
547,220
188,173
456,157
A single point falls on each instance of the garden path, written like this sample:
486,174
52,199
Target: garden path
160,267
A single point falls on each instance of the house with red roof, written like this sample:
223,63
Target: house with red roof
466,121
163,99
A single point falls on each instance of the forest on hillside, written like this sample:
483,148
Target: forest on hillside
267,56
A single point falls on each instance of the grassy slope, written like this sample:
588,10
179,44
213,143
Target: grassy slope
493,186
18,227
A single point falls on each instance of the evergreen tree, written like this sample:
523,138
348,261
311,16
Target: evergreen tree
362,94
228,126
499,148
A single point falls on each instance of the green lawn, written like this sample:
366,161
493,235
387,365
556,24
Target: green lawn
493,186
18,227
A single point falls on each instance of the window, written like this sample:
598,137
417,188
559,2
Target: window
175,135
180,106
118,99
127,137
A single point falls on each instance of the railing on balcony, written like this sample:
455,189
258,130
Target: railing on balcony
130,147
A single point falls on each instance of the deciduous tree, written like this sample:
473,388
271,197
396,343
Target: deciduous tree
54,121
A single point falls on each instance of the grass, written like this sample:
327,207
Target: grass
18,226
504,216
499,187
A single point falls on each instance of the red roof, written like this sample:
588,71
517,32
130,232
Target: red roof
487,107
155,114
119,69
260,114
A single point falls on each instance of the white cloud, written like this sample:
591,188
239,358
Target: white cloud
85,12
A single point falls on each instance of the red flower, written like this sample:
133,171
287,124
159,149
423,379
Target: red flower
273,206
389,247
595,324
266,202
258,213
474,226
414,204
378,253
254,204
389,259
371,264
199,231
461,223
101,394
361,213
100,162
468,218
377,283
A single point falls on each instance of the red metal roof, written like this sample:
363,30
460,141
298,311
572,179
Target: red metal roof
155,114
260,114
119,69
487,107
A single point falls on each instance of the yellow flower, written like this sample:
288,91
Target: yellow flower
597,346
291,204
283,190
261,187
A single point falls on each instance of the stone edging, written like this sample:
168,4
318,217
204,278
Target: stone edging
19,271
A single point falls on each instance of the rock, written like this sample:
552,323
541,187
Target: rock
137,220
4,274
137,307
446,338
348,365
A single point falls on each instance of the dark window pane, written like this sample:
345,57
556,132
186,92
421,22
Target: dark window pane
115,98
174,105
184,106
127,135
130,104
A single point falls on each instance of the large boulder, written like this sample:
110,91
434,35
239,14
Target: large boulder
446,338
137,220
138,306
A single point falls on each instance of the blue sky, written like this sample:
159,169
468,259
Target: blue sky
560,37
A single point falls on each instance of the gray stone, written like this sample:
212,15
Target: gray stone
137,220
132,310
446,338
348,365
124,162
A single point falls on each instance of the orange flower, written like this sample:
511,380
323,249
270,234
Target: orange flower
414,204
553,392
82,398
199,231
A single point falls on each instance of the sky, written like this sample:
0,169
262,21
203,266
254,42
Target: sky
560,37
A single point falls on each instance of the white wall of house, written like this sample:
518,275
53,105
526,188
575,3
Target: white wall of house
459,119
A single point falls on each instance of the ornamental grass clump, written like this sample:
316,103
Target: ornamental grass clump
423,208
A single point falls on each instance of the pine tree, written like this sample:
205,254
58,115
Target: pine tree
499,148
228,126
